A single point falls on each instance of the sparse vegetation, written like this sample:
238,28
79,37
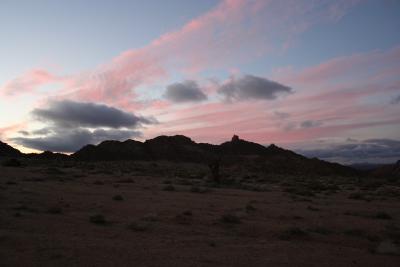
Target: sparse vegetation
197,189
357,195
321,230
54,171
387,247
126,181
118,198
356,232
247,206
11,163
151,217
54,210
187,213
312,208
97,219
25,208
169,187
392,232
383,216
212,244
302,191
182,219
138,226
230,218
250,207
293,233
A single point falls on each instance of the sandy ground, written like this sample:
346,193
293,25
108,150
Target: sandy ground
45,220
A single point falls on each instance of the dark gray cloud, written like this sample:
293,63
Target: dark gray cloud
251,87
289,126
281,115
64,140
371,150
25,133
310,124
187,91
77,114
42,131
396,100
71,125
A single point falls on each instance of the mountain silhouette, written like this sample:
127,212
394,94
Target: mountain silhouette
8,151
179,148
48,155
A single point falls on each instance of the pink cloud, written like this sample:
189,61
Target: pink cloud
358,67
339,95
5,131
232,32
28,82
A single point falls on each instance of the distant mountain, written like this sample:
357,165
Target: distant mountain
390,171
180,148
365,166
8,151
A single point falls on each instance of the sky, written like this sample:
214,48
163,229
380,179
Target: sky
320,77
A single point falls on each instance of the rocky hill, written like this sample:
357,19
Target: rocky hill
179,148
271,159
8,151
113,150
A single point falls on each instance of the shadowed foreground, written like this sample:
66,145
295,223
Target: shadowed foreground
165,214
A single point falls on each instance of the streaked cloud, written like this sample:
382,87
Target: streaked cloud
28,82
216,39
336,96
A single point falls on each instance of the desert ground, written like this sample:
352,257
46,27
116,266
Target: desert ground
169,214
